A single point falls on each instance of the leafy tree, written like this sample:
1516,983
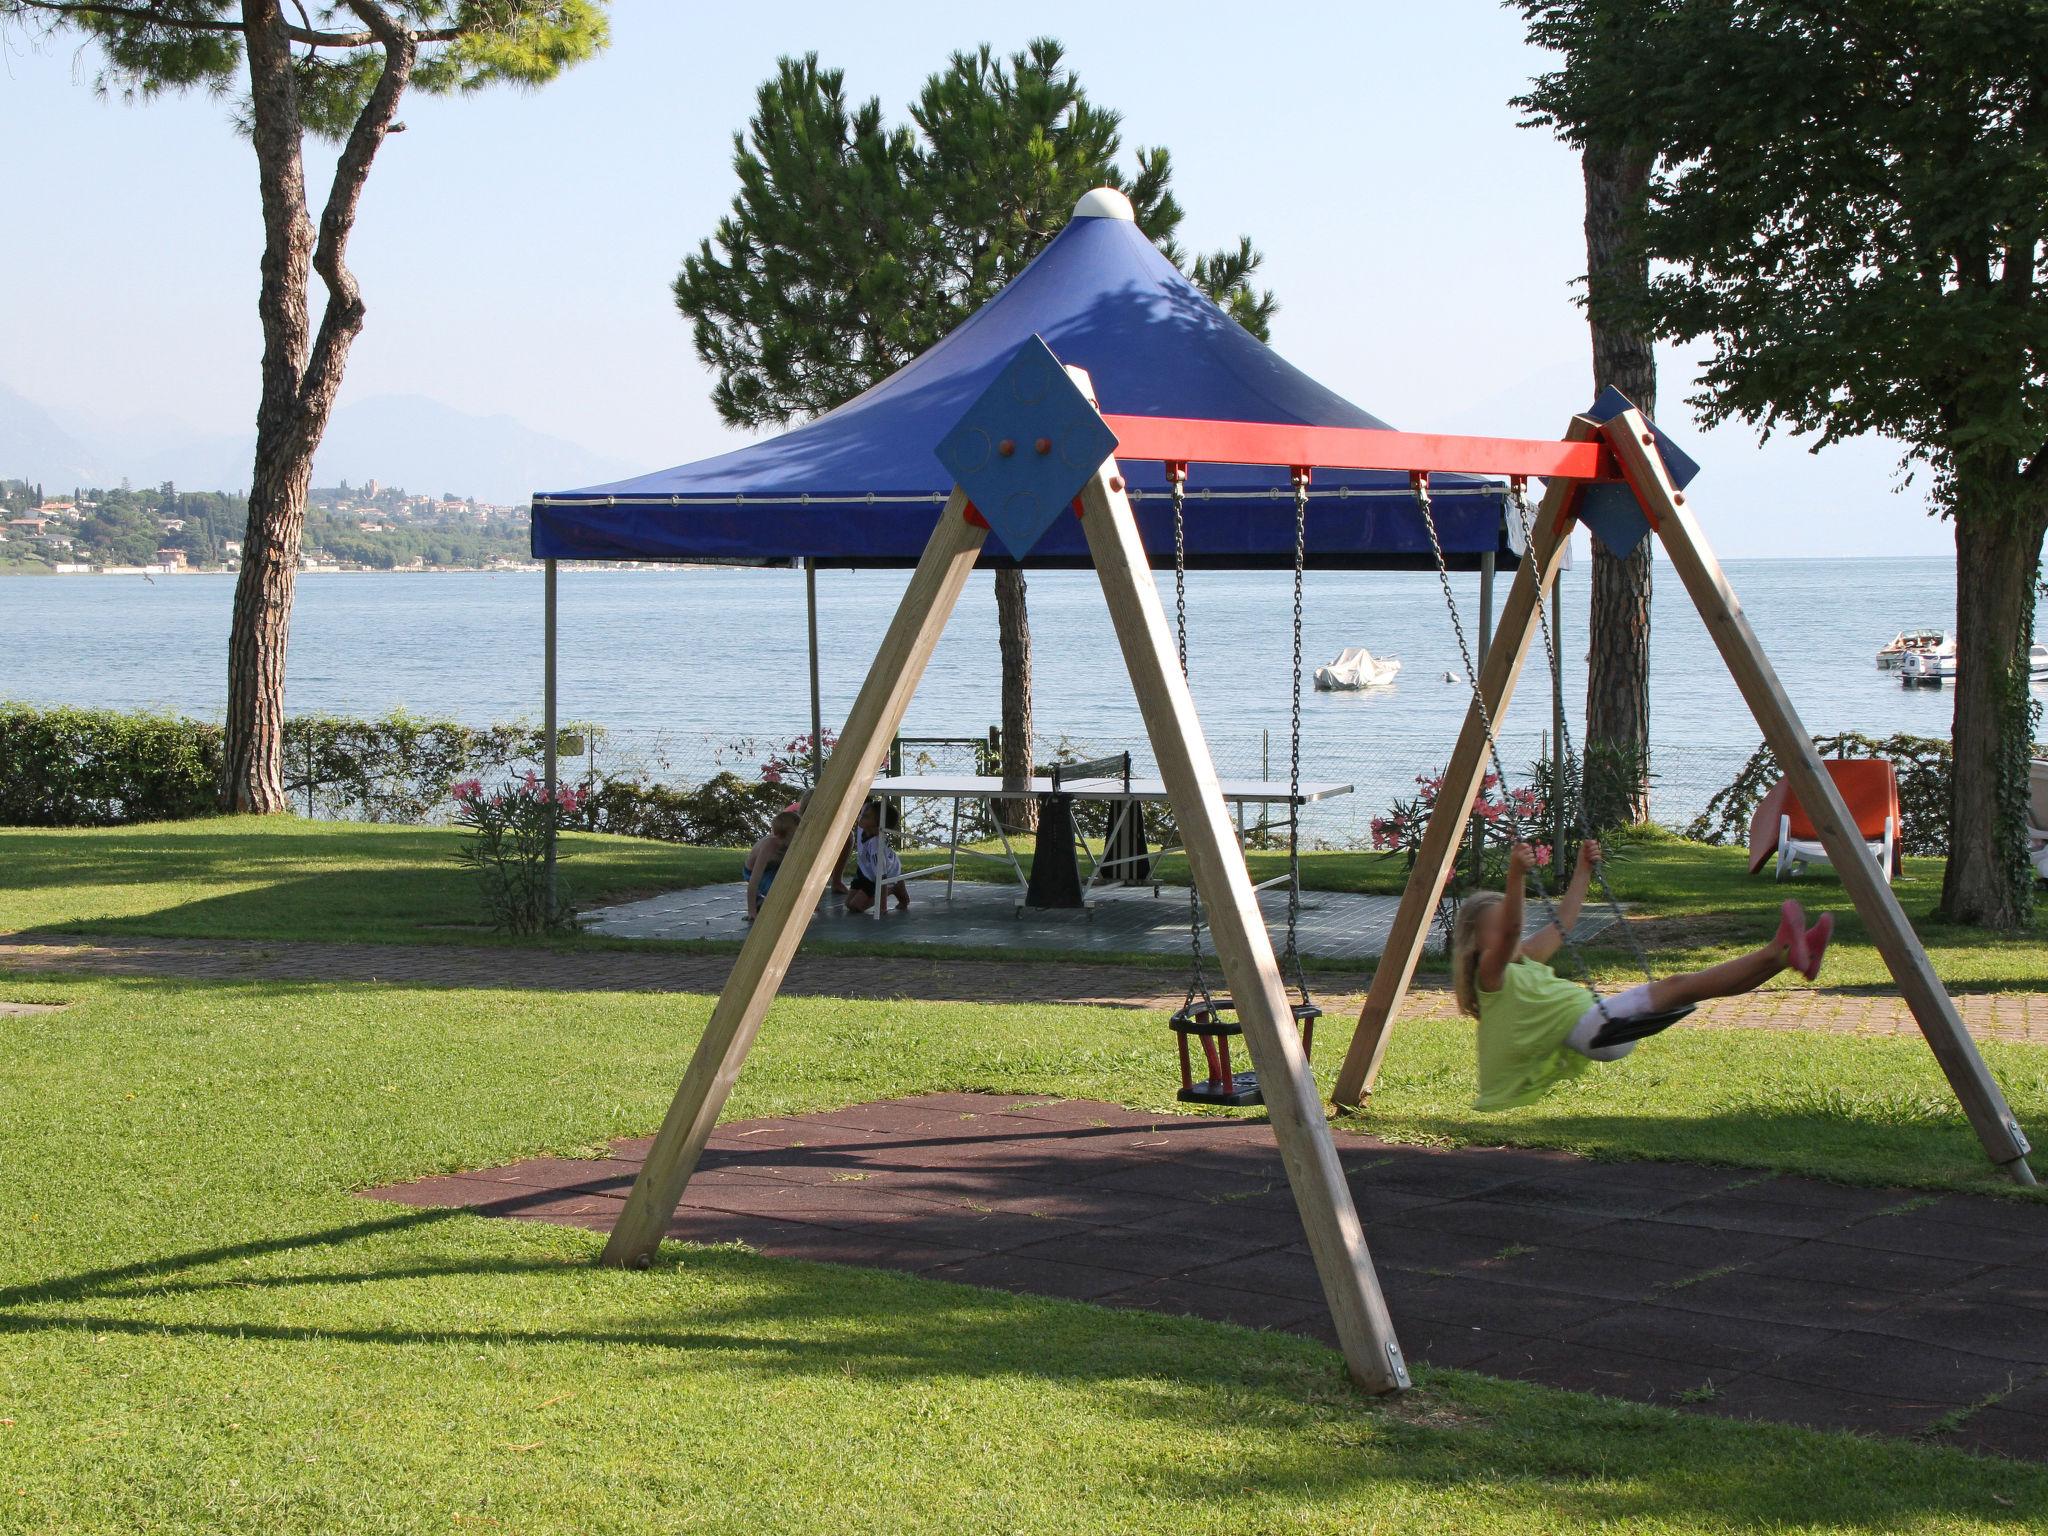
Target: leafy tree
1850,203
854,244
1616,173
336,71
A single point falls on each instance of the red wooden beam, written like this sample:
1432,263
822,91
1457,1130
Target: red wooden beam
1179,439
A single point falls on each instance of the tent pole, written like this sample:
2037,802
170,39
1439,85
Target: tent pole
1467,770
817,701
547,687
1477,856
771,943
1557,762
1864,883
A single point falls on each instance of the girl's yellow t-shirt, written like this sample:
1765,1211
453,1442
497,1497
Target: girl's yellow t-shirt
1522,1030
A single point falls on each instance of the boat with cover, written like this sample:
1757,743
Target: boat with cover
1356,668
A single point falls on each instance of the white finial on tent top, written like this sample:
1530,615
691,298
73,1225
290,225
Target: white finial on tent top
1105,203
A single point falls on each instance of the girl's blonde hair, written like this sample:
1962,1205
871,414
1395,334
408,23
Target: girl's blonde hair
1465,934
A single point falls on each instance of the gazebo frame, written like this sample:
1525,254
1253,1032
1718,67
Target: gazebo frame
1621,449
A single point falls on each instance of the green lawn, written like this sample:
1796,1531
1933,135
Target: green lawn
206,1332
284,878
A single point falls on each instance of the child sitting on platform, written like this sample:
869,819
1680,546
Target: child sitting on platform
1536,1029
765,860
877,872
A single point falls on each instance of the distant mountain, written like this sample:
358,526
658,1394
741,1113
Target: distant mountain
405,440
34,447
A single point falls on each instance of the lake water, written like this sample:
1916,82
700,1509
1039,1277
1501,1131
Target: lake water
688,668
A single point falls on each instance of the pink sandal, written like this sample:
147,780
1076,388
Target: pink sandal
1792,936
1817,944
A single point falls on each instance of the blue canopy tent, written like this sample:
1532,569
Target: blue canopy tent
862,486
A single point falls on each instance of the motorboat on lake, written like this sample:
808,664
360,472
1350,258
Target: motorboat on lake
2037,659
1891,656
1929,666
1356,668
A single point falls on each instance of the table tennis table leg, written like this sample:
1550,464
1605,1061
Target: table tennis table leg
953,851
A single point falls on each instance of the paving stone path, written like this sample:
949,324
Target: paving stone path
1989,1015
1717,1291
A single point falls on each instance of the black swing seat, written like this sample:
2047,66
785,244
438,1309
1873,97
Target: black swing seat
1213,1021
1641,1027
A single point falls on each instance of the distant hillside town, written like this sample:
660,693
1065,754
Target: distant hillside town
163,530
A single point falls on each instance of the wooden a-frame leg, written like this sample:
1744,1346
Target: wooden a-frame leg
934,590
1875,901
1365,1331
1498,676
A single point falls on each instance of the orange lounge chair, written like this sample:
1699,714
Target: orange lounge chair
1780,826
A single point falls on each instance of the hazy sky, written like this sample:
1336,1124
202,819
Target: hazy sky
516,249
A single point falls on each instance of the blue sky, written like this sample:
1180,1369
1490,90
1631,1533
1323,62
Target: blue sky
515,249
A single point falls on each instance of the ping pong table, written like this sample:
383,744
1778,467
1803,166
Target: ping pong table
1126,795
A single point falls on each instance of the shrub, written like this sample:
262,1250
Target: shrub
1498,814
103,767
397,768
507,847
725,811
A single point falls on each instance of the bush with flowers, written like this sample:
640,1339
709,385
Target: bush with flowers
507,846
1499,814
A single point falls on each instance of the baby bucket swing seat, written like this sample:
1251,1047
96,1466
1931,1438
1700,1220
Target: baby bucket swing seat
1205,1018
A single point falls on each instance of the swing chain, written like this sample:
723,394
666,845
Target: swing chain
1293,952
1177,478
1420,481
1519,495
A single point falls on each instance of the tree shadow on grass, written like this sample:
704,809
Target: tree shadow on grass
1297,1431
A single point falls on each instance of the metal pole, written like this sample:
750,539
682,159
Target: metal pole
1486,561
547,687
1557,762
817,702
1485,604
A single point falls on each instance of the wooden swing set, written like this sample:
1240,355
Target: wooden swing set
1035,445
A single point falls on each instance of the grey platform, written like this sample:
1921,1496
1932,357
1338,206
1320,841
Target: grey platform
1335,925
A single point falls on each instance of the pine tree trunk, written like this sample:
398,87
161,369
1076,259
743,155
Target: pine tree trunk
1618,627
1998,553
1013,627
301,376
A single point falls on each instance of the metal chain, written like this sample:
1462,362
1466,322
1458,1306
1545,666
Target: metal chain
1293,951
1176,475
1519,496
1443,575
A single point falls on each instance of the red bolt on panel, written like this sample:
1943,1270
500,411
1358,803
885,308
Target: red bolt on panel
1043,445
1006,447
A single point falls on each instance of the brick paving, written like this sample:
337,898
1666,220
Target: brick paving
1716,1291
1990,1015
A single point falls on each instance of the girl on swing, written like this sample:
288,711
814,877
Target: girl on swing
1536,1029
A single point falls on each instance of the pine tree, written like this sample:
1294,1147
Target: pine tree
853,245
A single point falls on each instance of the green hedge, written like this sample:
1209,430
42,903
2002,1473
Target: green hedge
101,767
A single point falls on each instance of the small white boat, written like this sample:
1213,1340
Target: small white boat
2037,659
1929,666
1891,656
1355,668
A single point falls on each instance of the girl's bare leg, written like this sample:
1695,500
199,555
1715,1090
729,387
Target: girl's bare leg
1730,978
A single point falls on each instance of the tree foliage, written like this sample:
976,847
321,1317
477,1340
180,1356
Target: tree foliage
853,244
1849,204
148,47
